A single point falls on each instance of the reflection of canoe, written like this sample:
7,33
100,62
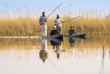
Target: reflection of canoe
55,43
17,37
41,37
52,37
75,35
48,37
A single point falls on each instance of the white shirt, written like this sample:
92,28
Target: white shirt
42,20
58,21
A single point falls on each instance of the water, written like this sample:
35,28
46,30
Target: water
35,56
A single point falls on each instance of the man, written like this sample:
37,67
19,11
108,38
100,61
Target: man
72,31
54,31
43,23
58,22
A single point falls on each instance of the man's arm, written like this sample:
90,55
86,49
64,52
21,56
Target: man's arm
46,19
69,32
55,22
74,32
62,21
57,32
51,33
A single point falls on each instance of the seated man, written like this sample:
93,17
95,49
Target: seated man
71,31
54,31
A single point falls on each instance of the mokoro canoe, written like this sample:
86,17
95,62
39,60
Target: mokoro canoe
52,37
75,35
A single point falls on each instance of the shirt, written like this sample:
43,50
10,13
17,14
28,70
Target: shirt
42,20
54,32
71,32
57,22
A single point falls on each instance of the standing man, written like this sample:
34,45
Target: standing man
43,23
58,22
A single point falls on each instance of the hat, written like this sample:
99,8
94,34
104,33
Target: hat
58,16
71,26
54,26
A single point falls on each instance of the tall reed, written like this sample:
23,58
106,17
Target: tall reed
89,23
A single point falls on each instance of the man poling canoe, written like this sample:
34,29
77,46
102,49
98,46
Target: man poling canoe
58,22
43,23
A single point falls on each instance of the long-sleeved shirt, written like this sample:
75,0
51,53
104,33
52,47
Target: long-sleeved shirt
42,20
71,32
58,22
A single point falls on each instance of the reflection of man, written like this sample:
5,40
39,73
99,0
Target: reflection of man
56,48
72,42
109,53
43,52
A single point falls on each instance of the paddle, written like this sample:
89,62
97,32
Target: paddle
54,10
66,21
71,19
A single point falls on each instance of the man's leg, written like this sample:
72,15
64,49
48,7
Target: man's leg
59,29
42,30
44,45
45,30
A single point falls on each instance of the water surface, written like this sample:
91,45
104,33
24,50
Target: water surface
35,56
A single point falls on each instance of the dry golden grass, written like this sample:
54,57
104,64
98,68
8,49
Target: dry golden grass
89,24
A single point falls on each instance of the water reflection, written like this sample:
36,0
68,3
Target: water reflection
73,56
72,42
109,52
56,47
43,52
102,64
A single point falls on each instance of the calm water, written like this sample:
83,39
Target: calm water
72,56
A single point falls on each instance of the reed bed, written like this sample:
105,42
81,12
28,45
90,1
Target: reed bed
90,24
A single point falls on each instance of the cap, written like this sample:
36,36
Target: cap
71,26
54,26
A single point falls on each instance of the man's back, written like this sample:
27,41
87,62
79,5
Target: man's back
54,32
42,20
57,22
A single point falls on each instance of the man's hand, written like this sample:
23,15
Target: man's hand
46,20
63,22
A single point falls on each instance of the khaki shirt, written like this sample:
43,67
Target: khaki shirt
58,22
42,20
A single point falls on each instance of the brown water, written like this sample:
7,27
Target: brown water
35,56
